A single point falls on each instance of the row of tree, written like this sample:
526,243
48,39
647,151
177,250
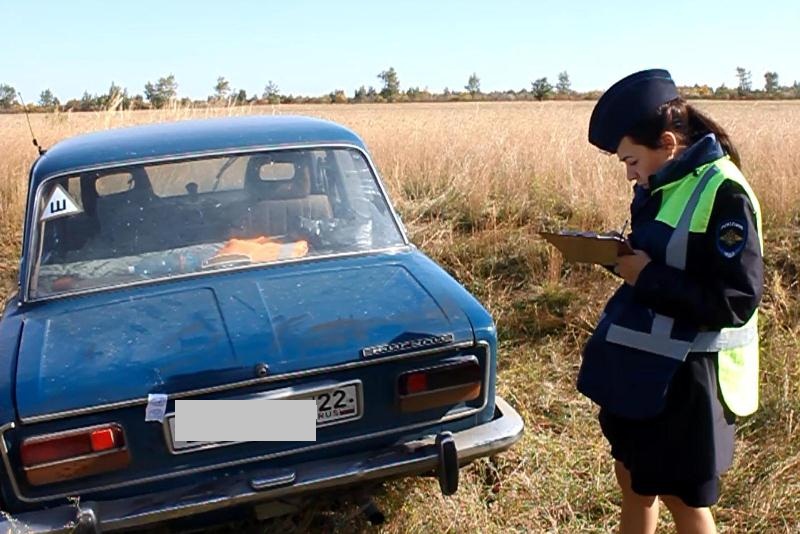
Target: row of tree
164,93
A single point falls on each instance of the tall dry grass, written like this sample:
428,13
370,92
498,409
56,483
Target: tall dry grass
473,183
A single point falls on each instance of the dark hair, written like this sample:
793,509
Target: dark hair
687,123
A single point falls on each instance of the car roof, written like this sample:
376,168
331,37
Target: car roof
190,137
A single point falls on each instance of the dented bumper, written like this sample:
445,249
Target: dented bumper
261,485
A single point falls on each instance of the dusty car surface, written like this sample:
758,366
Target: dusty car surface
244,258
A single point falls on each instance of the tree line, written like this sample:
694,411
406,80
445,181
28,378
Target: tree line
164,93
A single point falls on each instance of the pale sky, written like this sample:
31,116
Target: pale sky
315,47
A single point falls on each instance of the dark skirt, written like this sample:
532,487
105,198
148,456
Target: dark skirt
684,450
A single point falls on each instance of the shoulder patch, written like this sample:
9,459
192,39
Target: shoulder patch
731,237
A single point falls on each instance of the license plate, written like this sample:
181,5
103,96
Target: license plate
335,405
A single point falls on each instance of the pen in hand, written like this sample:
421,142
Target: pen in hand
624,248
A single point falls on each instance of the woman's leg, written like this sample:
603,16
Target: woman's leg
689,520
639,512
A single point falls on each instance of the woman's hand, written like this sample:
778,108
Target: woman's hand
630,265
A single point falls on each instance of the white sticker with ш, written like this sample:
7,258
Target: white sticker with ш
60,204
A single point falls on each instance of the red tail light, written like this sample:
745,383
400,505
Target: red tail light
104,439
73,454
36,452
445,384
416,382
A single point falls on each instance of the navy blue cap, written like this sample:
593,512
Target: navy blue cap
630,100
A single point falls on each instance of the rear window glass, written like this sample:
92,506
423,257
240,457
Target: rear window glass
199,176
114,183
169,219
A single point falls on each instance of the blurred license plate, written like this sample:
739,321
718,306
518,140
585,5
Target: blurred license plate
336,405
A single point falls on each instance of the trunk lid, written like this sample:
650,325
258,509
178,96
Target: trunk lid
118,346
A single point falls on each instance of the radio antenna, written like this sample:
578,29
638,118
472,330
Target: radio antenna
35,142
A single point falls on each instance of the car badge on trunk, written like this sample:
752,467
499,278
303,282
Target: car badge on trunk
407,345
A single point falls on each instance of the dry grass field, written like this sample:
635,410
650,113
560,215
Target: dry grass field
473,183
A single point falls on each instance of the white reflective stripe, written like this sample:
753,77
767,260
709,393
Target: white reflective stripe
658,343
678,244
727,339
662,326
663,346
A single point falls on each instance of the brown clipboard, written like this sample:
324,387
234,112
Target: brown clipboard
589,247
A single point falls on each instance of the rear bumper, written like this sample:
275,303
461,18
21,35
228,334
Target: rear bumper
254,486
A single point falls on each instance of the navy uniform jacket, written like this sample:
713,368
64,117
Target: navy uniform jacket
720,287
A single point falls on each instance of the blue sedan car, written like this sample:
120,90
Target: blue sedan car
239,259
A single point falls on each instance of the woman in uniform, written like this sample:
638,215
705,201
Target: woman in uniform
674,357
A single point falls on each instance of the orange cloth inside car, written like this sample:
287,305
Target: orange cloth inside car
261,249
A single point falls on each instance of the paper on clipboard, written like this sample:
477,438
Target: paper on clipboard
589,247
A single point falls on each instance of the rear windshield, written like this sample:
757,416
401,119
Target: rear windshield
154,221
